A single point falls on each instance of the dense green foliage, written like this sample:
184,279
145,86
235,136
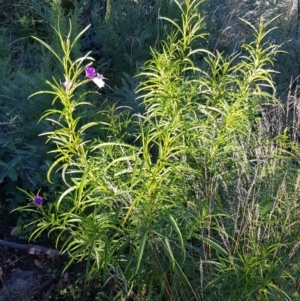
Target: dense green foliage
177,181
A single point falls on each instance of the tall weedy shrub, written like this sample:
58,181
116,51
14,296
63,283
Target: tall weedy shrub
243,175
149,215
218,140
73,160
125,209
232,96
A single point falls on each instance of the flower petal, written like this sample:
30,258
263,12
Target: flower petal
98,80
67,85
38,200
90,72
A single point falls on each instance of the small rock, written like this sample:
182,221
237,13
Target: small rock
19,283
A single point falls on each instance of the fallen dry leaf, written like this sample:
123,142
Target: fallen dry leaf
15,231
38,263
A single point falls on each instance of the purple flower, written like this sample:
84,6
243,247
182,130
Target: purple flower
90,72
97,78
38,200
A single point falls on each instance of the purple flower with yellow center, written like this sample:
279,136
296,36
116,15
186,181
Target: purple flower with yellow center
38,200
97,78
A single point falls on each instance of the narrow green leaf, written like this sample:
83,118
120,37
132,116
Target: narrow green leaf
141,250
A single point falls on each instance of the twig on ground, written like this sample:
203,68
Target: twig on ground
31,248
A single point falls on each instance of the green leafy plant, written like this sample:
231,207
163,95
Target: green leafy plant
174,197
